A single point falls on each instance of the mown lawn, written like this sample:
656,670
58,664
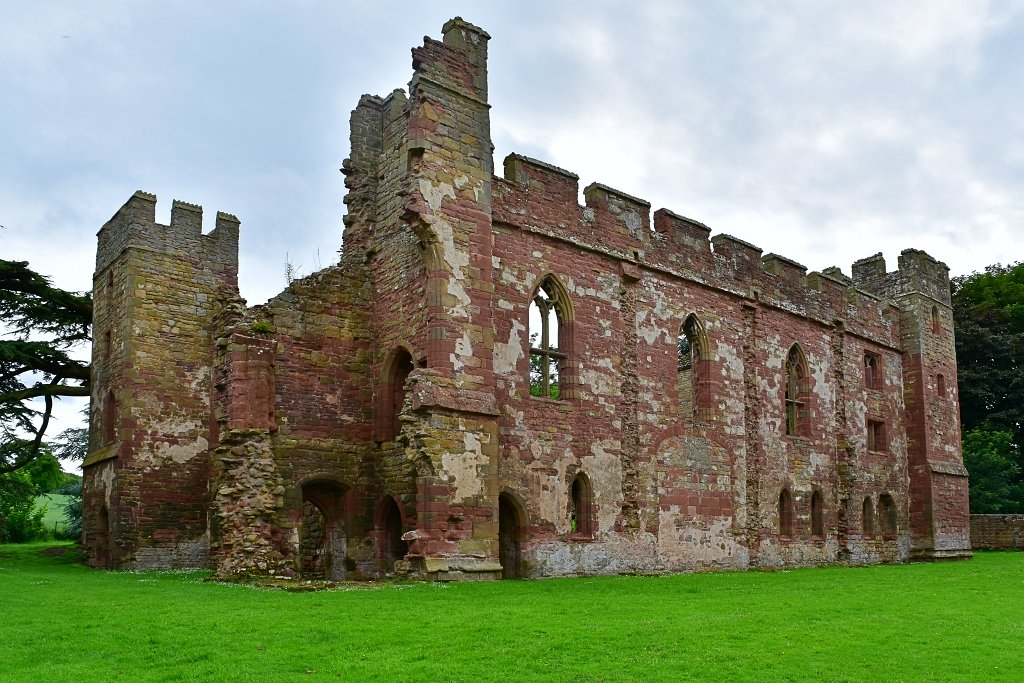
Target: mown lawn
956,621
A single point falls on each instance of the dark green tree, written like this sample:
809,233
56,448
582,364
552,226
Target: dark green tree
988,311
42,326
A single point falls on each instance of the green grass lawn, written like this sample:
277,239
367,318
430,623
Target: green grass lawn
54,518
954,621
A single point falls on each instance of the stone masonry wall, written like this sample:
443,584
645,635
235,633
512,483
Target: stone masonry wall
997,532
158,289
377,416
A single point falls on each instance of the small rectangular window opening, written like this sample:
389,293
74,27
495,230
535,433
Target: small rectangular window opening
876,436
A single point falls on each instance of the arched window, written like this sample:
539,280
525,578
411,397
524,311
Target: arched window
785,514
872,376
110,418
391,394
887,516
868,518
817,515
581,507
550,314
692,368
936,322
797,412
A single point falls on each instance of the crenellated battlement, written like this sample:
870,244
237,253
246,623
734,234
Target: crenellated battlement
134,225
539,195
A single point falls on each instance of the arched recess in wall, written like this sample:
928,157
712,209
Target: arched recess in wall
797,393
101,545
692,367
550,325
389,527
511,520
817,515
887,516
785,512
582,512
323,549
868,517
936,320
391,393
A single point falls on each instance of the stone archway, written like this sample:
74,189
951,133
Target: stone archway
323,532
391,547
510,537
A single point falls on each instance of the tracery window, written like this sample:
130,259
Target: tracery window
872,374
549,311
691,367
796,379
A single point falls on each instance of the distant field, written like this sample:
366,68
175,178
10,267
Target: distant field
54,503
957,621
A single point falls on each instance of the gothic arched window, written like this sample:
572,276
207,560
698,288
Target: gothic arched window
550,313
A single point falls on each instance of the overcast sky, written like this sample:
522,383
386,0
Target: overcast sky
822,131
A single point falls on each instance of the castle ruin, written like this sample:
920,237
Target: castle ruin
495,381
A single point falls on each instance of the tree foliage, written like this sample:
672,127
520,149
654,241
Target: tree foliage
988,311
43,325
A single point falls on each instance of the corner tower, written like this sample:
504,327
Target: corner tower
939,514
156,290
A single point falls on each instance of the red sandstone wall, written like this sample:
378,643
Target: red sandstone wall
997,532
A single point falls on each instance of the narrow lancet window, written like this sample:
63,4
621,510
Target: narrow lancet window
796,402
547,320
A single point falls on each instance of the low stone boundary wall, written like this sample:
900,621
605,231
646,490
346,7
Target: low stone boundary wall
997,531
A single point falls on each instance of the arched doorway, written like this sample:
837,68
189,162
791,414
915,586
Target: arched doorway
390,526
509,537
322,537
102,544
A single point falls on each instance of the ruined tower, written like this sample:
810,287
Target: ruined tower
156,291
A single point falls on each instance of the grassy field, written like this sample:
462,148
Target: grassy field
54,518
957,621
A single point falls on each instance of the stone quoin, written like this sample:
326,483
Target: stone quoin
495,381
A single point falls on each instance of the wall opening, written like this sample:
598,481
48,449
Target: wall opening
936,321
876,439
797,393
692,358
509,537
785,514
549,317
872,372
322,535
817,515
868,518
940,385
102,544
887,516
390,527
109,418
391,394
581,507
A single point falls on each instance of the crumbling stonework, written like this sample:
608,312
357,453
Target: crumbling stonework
674,401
